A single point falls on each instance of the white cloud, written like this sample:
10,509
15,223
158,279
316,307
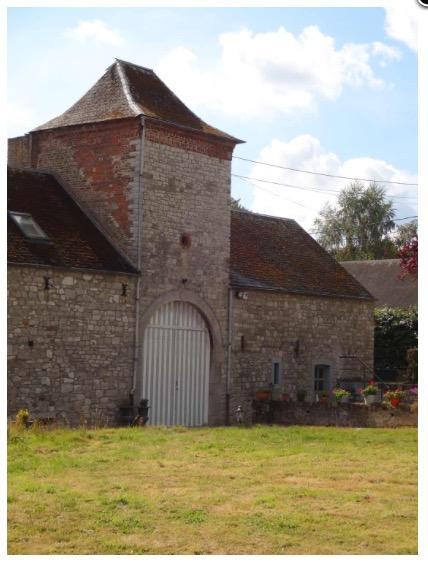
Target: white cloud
95,30
386,53
401,22
303,205
263,74
19,116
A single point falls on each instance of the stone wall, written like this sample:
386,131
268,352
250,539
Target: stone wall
298,332
70,353
346,415
183,192
99,164
186,229
18,151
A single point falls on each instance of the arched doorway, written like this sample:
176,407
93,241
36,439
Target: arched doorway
176,365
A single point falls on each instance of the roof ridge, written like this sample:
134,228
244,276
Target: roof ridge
277,217
29,170
134,65
126,90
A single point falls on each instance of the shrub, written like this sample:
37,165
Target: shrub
396,331
22,417
412,363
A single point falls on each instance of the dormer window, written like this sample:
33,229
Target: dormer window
28,226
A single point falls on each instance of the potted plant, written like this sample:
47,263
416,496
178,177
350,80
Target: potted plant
341,395
285,397
323,397
395,396
263,395
369,393
301,395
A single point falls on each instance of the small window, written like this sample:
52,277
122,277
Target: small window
28,226
322,378
276,373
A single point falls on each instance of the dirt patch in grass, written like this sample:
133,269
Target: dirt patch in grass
259,490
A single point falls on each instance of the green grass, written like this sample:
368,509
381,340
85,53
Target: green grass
259,490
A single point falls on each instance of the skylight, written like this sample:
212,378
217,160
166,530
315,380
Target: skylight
28,226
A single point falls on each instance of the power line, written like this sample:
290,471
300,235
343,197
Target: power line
308,188
280,196
326,174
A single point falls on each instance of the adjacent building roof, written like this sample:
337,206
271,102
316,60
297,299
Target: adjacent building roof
272,253
73,240
127,90
382,278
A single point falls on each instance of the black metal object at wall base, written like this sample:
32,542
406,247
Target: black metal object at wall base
133,416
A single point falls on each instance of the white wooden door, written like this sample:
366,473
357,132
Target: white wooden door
176,363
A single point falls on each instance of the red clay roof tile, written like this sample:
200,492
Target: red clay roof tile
74,241
272,253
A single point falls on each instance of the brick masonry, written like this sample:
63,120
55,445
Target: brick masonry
18,151
299,332
70,347
99,164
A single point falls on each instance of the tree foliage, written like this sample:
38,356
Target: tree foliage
396,331
360,226
236,204
408,255
405,233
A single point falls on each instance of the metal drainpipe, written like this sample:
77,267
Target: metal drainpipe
229,353
138,288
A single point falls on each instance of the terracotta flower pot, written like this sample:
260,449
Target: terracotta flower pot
394,402
263,395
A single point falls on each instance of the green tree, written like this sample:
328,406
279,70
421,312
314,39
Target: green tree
236,204
396,332
360,226
405,233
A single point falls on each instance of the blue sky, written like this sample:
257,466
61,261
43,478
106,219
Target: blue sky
327,90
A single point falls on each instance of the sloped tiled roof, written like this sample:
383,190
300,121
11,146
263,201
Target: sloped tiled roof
127,90
383,280
74,241
272,253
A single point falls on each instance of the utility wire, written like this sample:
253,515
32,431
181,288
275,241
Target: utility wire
326,174
308,188
280,196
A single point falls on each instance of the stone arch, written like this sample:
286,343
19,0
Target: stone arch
216,341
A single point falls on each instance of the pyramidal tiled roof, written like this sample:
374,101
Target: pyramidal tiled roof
275,253
128,90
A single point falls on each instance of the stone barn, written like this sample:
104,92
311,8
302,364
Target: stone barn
131,278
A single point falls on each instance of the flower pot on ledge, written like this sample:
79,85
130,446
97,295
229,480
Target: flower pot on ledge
369,399
395,402
263,395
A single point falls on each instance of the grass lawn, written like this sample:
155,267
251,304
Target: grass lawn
259,490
